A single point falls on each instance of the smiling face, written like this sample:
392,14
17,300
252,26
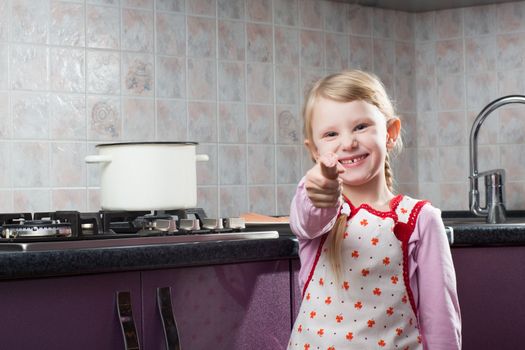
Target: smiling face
357,133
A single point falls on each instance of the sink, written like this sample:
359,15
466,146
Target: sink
481,221
455,218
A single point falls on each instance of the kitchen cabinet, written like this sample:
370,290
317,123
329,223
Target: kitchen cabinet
236,306
296,289
66,312
491,282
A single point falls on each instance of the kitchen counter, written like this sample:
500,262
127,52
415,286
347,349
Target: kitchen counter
33,264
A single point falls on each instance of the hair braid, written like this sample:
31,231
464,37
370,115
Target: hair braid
336,239
389,174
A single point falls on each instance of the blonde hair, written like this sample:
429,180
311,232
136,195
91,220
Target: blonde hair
349,86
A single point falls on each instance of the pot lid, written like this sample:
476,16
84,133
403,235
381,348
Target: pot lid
147,143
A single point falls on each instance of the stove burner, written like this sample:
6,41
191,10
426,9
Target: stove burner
36,228
64,225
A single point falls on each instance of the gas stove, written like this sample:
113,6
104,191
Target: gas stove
77,230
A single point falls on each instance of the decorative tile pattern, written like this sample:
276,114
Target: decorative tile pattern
28,66
285,12
170,5
67,164
102,27
69,199
5,116
104,118
231,81
201,7
286,84
232,123
231,40
259,45
202,122
5,171
171,34
4,58
30,116
103,72
207,171
259,10
201,37
260,124
289,124
202,80
232,165
67,24
67,117
66,68
29,21
286,45
4,11
137,30
230,9
137,74
232,201
170,77
261,199
312,48
138,119
232,75
261,164
288,164
172,120
36,154
259,82
31,200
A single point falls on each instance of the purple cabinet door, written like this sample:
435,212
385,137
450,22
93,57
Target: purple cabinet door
229,307
65,313
296,289
491,282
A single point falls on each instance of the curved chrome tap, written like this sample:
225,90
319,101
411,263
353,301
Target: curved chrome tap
494,208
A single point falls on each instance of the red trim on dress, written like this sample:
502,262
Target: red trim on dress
317,256
394,202
403,232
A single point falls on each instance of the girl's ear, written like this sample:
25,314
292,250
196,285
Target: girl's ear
393,127
313,150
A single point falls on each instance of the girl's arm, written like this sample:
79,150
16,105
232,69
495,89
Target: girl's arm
307,221
439,311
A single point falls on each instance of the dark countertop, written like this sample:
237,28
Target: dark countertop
34,264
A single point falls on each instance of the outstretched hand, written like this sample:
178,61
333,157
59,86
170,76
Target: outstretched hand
322,182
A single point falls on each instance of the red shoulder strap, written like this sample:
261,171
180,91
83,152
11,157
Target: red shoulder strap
403,230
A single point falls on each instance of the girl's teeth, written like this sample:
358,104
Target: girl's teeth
352,161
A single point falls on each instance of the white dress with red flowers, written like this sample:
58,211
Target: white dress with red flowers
371,305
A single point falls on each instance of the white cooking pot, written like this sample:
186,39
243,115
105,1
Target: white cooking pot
148,175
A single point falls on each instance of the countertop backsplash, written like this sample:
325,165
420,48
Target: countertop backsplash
231,75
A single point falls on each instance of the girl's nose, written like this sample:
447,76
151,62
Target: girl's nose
349,143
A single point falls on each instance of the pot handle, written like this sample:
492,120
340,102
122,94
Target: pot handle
202,158
98,159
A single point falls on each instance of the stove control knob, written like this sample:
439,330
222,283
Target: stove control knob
212,224
189,224
235,223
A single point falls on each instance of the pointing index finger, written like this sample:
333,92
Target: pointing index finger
328,163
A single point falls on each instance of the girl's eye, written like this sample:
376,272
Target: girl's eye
361,126
330,134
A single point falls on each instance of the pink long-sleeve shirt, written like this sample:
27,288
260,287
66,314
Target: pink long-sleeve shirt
431,270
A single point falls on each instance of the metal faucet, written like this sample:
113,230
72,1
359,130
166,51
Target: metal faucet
494,208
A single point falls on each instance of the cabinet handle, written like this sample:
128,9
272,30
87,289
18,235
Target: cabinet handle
168,320
127,323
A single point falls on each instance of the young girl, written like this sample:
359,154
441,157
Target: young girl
376,269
